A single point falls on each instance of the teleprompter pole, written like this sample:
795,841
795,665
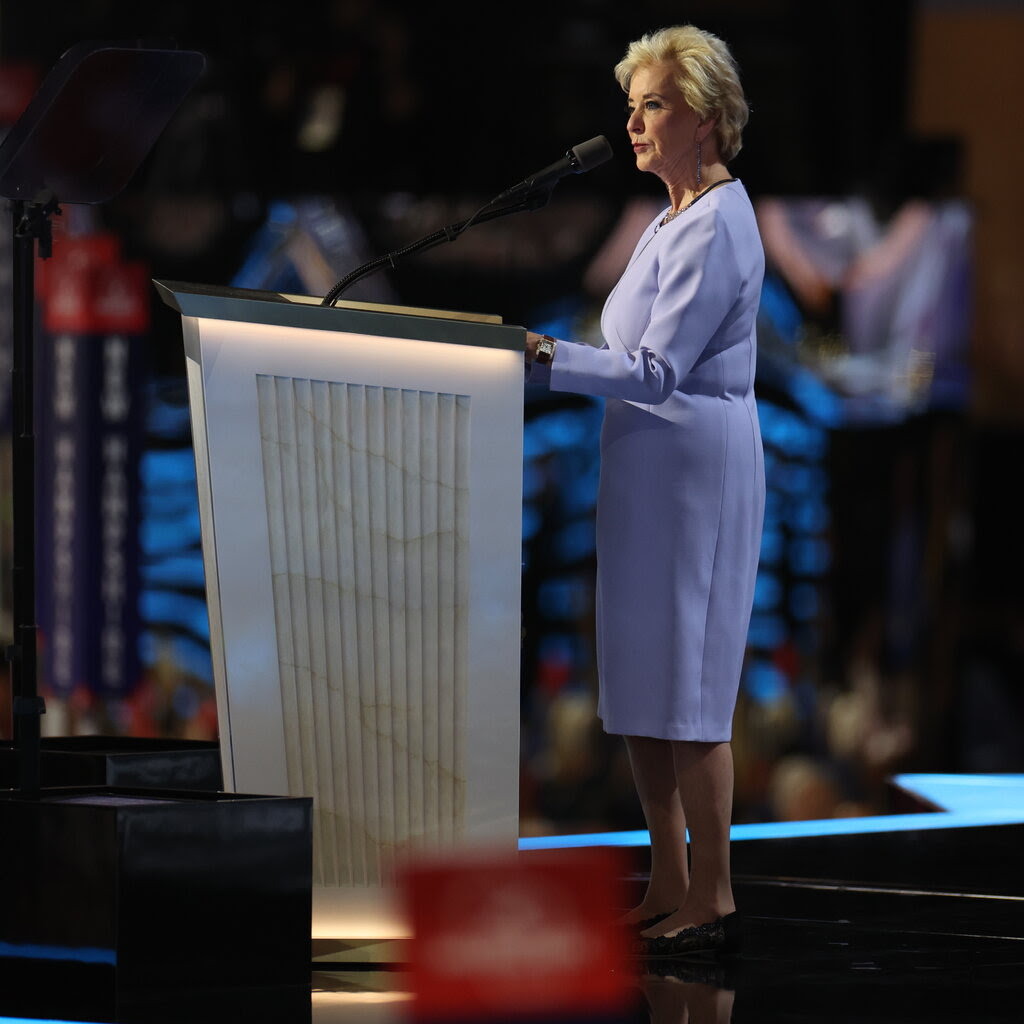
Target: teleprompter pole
30,222
82,136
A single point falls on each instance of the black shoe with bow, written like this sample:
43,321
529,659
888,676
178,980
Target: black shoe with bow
721,935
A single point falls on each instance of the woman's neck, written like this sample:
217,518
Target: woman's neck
682,193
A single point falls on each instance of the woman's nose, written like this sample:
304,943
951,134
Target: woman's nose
635,123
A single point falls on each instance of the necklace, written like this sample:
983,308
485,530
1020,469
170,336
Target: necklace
672,214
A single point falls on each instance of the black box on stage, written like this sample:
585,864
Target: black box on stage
139,762
152,887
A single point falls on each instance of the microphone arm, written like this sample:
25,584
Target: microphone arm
530,201
530,194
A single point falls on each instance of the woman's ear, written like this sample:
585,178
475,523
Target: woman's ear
706,127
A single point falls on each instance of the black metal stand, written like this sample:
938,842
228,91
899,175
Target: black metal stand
81,138
31,224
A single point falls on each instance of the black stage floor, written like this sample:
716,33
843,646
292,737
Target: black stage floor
902,926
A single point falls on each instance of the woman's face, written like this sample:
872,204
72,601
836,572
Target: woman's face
662,127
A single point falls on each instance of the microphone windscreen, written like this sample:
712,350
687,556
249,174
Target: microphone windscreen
592,153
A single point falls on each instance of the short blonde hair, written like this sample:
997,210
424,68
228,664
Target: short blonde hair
705,73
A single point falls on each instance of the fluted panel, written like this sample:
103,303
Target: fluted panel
367,503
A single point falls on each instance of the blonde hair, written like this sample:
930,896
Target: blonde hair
705,72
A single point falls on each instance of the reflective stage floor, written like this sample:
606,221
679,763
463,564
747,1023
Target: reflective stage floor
917,917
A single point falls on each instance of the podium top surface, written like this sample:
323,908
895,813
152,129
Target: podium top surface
280,310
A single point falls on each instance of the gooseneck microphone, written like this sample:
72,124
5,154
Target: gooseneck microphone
530,194
584,157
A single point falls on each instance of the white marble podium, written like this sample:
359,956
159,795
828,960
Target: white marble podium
360,479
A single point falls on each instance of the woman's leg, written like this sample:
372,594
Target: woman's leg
686,1002
654,775
704,777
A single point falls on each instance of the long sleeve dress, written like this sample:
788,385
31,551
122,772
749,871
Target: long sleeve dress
681,495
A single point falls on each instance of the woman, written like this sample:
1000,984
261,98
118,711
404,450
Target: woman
681,497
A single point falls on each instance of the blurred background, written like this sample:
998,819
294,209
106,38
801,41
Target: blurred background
888,628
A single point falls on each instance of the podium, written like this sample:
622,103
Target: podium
359,472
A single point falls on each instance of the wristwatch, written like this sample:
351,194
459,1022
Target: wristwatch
545,350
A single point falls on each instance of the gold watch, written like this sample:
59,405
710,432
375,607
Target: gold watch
545,350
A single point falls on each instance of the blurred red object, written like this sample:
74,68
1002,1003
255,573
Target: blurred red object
73,255
506,935
18,83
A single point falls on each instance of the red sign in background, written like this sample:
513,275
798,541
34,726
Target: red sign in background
527,935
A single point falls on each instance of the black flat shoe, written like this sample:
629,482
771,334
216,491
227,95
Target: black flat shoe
720,935
647,922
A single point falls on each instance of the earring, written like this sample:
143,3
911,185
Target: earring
698,163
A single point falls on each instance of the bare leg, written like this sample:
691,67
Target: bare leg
704,776
654,775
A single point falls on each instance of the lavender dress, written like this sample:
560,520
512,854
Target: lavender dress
681,498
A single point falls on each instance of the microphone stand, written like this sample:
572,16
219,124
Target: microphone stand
530,201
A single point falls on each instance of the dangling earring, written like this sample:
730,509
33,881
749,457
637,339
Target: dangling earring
698,163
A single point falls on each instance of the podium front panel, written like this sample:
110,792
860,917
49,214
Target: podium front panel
361,499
